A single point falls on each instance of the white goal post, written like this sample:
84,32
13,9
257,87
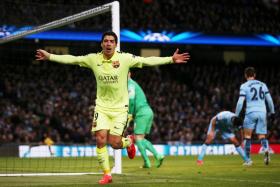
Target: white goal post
114,8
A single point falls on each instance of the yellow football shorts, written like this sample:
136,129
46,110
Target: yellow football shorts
114,121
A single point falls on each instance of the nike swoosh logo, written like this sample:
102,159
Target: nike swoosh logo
99,64
116,127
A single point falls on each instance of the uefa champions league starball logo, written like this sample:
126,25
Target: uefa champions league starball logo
159,37
162,37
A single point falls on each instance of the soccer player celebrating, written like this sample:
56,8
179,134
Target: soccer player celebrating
255,93
225,122
111,106
142,115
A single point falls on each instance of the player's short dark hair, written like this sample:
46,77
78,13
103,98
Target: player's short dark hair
109,33
250,72
237,121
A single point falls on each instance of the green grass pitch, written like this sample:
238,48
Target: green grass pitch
175,171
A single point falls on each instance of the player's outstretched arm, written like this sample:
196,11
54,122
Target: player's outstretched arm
180,58
42,55
64,59
137,61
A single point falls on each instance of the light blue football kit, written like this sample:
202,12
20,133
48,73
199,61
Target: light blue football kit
224,124
256,95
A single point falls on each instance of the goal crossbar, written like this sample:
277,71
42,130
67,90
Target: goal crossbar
61,22
46,174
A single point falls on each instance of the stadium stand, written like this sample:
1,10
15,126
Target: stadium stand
36,99
216,16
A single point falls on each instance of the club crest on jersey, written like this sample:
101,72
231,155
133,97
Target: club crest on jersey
116,64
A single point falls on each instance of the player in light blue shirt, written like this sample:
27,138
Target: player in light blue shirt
226,122
256,95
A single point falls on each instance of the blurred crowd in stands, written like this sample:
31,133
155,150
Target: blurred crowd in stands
56,100
52,100
215,16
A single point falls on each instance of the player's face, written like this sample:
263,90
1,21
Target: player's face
108,46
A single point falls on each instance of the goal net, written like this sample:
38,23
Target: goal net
45,109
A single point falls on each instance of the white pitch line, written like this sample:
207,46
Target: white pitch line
45,174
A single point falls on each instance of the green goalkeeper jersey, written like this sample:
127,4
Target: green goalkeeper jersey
111,75
137,98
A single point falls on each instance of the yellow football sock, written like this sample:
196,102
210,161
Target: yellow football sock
103,159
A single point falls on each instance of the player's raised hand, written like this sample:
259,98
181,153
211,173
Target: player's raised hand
180,58
42,55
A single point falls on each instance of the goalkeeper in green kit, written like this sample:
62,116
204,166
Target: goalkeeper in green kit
142,115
